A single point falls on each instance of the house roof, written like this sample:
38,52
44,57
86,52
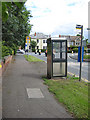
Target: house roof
39,36
43,36
71,38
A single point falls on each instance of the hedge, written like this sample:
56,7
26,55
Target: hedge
75,50
72,46
69,51
8,50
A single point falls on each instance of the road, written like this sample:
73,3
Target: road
72,65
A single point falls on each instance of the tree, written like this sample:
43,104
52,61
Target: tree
15,24
33,44
78,35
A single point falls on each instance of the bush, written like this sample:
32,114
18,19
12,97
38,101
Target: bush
72,46
10,51
43,50
69,51
86,56
33,49
15,48
5,51
75,50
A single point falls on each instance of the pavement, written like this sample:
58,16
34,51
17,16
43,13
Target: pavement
24,93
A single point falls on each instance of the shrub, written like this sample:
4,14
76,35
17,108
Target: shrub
75,50
10,51
33,49
43,50
5,51
69,51
86,56
15,48
72,46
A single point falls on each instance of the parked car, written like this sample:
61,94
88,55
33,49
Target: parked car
21,51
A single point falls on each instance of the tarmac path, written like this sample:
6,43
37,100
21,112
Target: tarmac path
24,93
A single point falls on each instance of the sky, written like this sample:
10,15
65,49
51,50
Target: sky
58,17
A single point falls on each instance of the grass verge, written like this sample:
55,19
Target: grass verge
72,93
31,58
86,56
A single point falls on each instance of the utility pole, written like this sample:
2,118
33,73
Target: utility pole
80,27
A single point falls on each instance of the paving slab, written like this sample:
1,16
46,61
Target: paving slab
16,103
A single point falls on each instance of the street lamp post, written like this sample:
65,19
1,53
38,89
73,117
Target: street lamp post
80,27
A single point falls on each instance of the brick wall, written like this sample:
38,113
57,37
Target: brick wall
4,65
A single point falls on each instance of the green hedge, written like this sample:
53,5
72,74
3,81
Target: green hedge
69,51
75,50
33,49
86,56
72,46
5,51
8,51
43,50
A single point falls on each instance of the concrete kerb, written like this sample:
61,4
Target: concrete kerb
83,79
75,75
75,57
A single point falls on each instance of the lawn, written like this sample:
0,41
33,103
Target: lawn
32,58
72,93
86,56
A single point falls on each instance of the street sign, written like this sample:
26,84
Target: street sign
78,27
25,44
27,39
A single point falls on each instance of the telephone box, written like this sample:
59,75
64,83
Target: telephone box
56,57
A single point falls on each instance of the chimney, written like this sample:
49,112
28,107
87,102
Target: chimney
59,35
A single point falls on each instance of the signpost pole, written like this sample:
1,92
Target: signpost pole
81,53
80,27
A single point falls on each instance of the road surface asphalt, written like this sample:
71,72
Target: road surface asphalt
19,78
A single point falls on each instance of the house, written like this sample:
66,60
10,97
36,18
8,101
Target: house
40,39
72,40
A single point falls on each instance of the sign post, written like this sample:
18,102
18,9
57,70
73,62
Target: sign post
27,44
81,28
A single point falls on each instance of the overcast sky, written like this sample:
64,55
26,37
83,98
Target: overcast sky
56,17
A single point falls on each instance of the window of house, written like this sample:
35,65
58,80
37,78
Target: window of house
44,47
43,41
37,41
